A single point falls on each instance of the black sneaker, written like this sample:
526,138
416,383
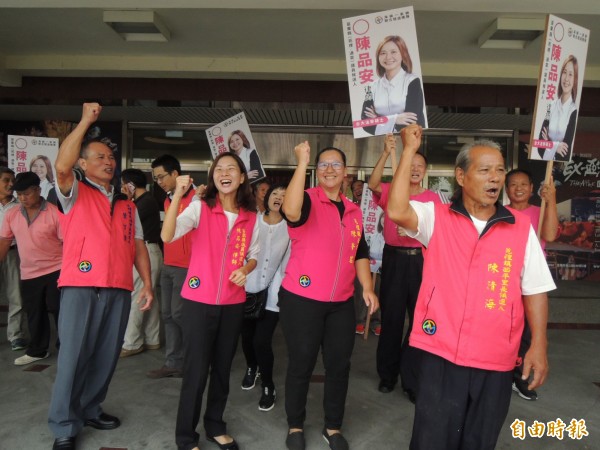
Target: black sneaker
520,387
267,399
249,380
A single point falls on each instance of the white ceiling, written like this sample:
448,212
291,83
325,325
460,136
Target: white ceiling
269,39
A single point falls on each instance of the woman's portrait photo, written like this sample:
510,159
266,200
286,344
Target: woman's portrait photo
397,93
42,167
561,115
240,145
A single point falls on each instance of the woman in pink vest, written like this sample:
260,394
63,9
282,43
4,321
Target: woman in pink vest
316,296
224,249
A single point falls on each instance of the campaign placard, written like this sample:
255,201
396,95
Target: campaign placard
559,90
35,154
372,228
384,72
233,135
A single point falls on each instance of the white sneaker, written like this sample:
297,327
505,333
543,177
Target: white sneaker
26,359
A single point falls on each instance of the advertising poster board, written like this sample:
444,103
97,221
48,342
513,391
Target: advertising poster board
559,90
35,154
233,135
384,72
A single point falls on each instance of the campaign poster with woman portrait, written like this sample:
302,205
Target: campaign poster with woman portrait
233,135
559,90
384,72
35,154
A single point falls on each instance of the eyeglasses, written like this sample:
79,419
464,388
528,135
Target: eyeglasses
335,165
160,177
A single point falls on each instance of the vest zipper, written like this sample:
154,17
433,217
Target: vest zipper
337,274
223,266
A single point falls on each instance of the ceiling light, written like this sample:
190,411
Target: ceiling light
143,26
512,33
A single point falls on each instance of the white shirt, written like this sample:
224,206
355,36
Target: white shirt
389,98
273,242
189,219
45,187
535,276
560,113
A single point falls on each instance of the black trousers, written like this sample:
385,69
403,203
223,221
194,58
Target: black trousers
257,343
308,326
210,337
523,348
40,296
459,408
400,283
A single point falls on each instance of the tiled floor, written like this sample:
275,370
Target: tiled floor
373,420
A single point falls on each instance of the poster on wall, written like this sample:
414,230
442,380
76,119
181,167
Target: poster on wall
384,72
373,228
559,90
35,154
233,135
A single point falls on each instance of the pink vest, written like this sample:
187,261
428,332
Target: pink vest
98,248
469,310
533,212
218,252
321,265
178,253
390,229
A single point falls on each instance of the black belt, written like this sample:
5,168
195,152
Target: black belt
407,250
12,247
151,242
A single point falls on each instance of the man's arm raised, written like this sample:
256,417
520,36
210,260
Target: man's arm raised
389,145
398,208
68,154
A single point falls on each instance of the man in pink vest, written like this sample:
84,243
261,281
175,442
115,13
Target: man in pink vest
102,240
519,188
484,271
165,170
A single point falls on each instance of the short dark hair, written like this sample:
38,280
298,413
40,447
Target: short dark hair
268,194
423,156
326,149
259,182
86,144
168,162
135,176
4,170
356,181
517,171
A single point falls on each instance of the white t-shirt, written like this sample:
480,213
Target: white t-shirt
535,276
389,98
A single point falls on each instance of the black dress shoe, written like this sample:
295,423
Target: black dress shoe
229,446
64,443
104,422
386,387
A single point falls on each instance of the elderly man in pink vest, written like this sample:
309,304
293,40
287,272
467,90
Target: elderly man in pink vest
484,271
103,239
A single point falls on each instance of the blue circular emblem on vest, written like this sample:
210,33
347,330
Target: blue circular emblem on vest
85,266
194,283
304,281
429,327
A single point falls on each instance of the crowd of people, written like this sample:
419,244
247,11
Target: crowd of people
476,326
